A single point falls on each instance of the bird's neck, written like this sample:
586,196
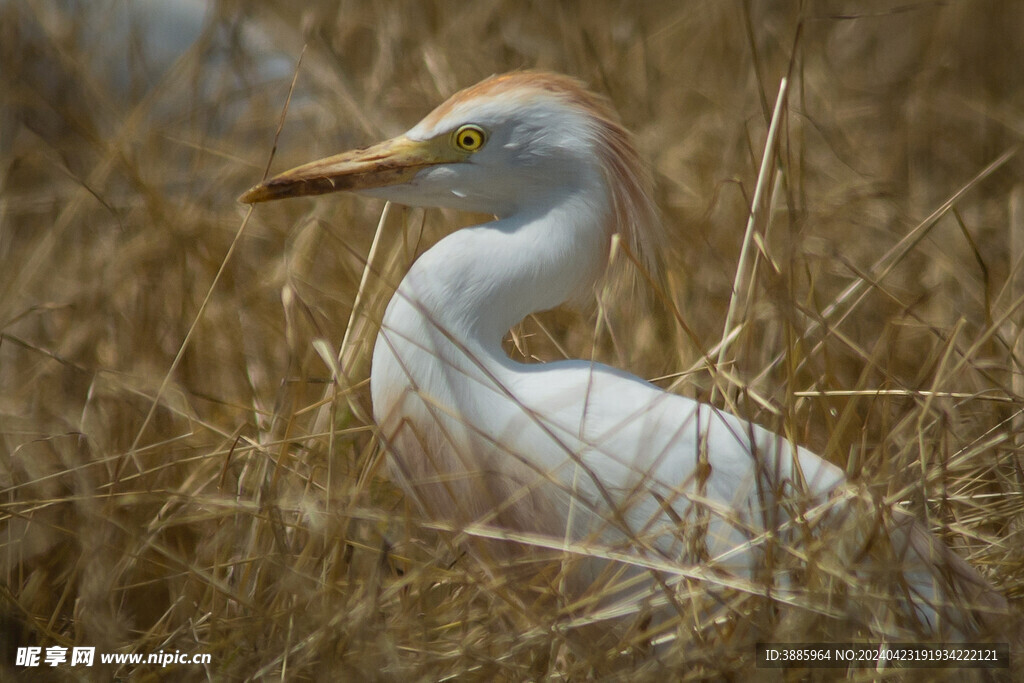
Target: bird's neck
476,283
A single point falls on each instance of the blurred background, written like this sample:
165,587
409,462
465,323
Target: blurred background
168,480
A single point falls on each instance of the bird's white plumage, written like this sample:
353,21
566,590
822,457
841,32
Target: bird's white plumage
453,406
569,450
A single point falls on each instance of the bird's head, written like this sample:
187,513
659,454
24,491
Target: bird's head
504,145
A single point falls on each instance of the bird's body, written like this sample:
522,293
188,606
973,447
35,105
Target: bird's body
477,437
571,451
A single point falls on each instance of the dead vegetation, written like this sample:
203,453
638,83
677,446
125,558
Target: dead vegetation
165,482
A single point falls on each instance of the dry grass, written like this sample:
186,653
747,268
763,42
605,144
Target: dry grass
148,504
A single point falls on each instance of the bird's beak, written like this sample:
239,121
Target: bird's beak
391,162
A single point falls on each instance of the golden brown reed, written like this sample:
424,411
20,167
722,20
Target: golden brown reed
881,325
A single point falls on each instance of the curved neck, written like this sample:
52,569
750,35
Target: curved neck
478,282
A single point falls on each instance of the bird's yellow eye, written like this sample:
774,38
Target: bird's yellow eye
469,138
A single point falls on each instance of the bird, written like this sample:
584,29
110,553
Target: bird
644,489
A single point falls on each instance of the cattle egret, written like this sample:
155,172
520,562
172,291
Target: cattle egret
573,454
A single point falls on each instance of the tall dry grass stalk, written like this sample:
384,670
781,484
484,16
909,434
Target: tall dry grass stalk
224,495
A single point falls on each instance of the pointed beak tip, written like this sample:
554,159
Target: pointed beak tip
253,195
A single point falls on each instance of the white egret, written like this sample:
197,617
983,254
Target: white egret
578,453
